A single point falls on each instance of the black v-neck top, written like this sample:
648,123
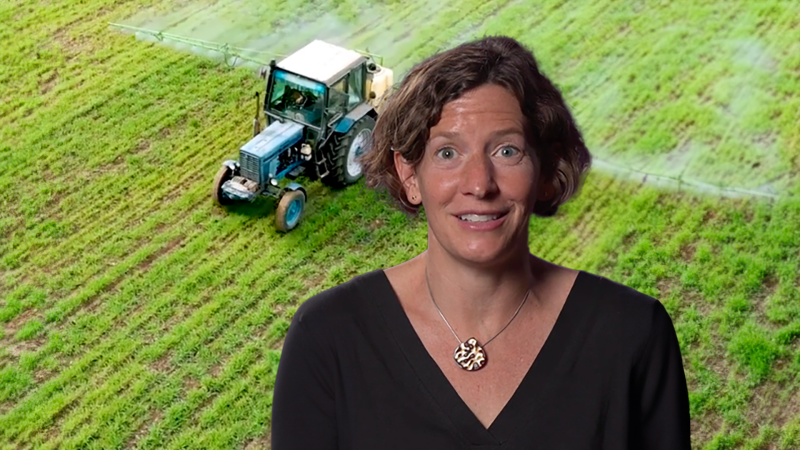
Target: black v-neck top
354,375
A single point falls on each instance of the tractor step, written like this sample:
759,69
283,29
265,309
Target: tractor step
322,171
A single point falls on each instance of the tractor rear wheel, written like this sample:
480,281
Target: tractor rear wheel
290,207
223,174
347,150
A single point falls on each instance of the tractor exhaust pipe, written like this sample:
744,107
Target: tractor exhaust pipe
256,124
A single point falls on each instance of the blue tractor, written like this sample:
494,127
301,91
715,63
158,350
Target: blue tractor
321,104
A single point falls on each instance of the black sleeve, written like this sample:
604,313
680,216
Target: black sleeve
660,394
303,408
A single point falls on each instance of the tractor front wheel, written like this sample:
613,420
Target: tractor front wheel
290,208
347,150
223,174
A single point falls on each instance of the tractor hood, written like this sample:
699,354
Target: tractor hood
259,158
274,139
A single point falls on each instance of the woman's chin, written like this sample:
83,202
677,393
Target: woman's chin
484,253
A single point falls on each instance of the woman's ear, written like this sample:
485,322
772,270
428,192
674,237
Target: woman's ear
408,177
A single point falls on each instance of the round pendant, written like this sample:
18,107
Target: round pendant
470,355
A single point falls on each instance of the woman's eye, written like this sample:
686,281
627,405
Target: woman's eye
509,152
446,153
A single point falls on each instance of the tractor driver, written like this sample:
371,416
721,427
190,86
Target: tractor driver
298,99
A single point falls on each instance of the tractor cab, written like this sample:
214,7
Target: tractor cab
320,84
321,104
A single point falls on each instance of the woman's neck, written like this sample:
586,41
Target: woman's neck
478,300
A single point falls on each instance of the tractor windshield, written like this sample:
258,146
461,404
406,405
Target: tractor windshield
297,98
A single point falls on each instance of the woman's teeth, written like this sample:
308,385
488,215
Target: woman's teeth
478,217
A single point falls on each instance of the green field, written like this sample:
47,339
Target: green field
136,314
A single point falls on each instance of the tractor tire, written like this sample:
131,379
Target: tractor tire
347,148
290,208
223,174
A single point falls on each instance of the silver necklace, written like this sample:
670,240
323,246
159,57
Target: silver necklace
469,354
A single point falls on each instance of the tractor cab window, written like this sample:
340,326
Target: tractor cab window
337,98
297,98
355,91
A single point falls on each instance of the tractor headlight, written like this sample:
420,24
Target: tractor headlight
273,181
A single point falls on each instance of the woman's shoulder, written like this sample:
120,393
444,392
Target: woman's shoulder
613,293
618,307
346,300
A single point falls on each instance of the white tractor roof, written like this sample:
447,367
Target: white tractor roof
321,61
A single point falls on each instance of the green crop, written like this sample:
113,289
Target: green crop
135,314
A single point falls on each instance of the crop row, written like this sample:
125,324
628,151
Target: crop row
155,282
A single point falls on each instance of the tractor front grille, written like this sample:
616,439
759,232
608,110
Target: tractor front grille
249,166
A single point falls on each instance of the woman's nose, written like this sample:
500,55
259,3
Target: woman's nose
478,176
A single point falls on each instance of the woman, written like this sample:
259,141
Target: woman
476,343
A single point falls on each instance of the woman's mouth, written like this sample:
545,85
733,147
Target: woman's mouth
482,220
478,217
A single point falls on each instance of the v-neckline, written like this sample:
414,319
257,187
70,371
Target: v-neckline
524,399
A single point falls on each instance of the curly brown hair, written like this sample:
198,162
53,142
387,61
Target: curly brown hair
416,106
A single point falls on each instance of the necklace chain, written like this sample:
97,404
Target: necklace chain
430,293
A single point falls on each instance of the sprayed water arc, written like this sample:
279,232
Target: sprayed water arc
705,165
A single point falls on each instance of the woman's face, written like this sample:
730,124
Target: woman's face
478,179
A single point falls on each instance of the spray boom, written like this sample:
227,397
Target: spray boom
229,52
